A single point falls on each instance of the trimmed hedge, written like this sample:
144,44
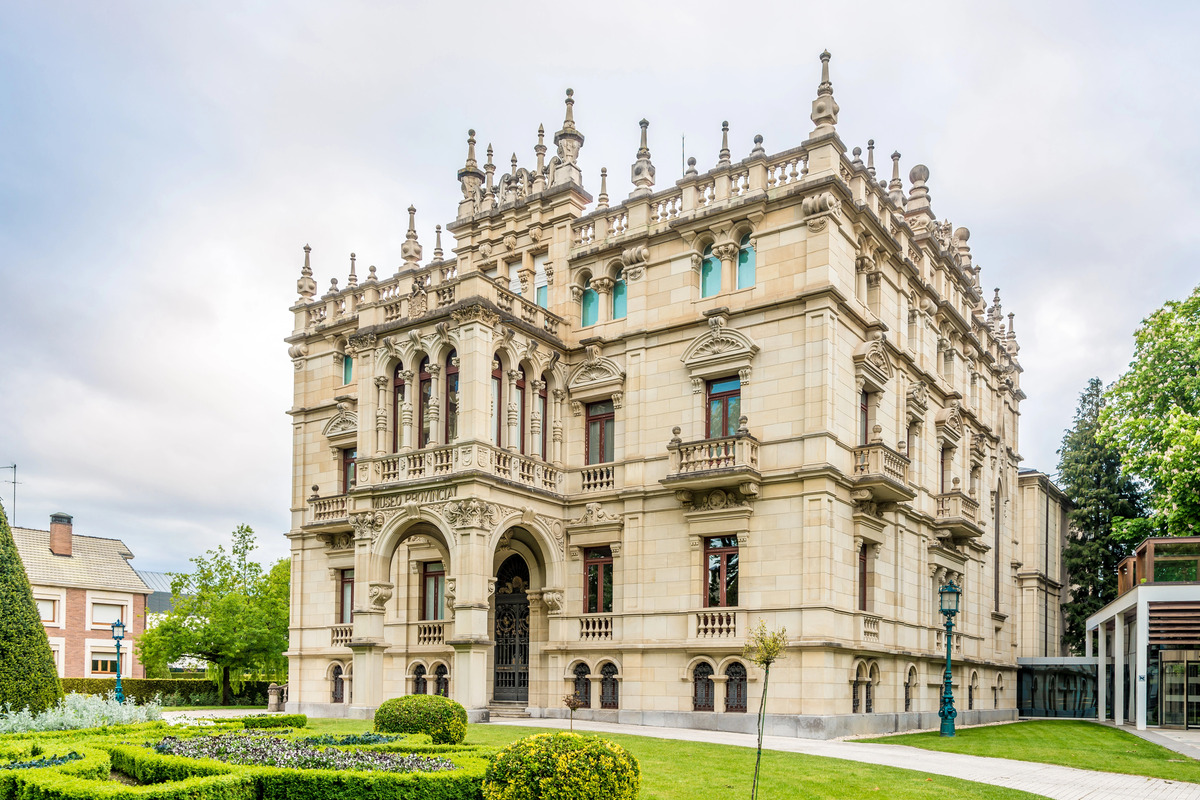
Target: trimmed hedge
562,766
443,719
191,691
273,721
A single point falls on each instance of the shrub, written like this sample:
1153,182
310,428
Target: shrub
274,721
180,692
28,679
562,766
80,711
443,719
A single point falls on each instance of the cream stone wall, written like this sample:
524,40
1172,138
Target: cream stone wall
858,287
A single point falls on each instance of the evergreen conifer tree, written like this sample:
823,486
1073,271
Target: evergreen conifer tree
1106,504
28,678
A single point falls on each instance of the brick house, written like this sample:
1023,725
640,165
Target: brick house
81,585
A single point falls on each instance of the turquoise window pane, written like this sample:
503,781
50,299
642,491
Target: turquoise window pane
746,263
710,277
347,369
619,302
591,307
541,296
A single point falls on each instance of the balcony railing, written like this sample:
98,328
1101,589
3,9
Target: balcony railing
595,629
716,624
870,629
597,479
1161,560
431,633
326,509
340,635
882,470
713,462
958,514
449,459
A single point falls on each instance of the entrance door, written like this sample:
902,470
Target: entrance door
511,675
1174,693
1193,694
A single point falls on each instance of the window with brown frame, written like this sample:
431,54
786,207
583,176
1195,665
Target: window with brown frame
598,580
397,408
349,468
433,591
724,407
721,559
520,387
451,397
346,597
497,399
703,691
864,418
425,395
863,577
600,421
944,469
105,665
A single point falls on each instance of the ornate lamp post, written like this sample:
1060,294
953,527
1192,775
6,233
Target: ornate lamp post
948,596
118,633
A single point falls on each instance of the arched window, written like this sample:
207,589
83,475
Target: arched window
710,274
425,384
347,369
591,304
583,686
872,680
542,411
703,693
451,396
860,678
735,687
520,386
971,691
497,397
619,304
397,408
338,693
419,686
746,263
909,685
443,680
609,686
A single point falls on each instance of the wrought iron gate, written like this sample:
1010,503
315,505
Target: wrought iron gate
511,675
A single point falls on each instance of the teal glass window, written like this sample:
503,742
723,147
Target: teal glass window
710,274
347,369
746,261
619,303
591,304
541,296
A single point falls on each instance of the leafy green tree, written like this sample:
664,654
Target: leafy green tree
228,612
28,678
1152,414
1106,502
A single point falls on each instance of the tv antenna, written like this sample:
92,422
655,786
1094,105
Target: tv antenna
14,483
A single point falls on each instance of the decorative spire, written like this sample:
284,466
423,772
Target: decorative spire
514,165
306,286
411,249
540,149
871,157
758,148
471,178
489,168
602,200
563,167
723,158
642,171
353,279
896,187
824,108
437,243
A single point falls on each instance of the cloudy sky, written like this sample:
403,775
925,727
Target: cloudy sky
163,164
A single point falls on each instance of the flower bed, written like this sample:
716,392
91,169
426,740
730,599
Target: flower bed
272,751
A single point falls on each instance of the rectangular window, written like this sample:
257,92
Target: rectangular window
46,609
598,575
540,290
591,306
746,265
542,296
620,304
724,407
451,403
864,418
346,597
349,467
944,470
496,397
106,613
599,443
863,576
426,390
721,558
347,369
433,591
710,277
545,421
105,665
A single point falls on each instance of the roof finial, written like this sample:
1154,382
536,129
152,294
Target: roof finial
569,120
758,148
642,171
723,157
896,187
871,157
602,200
437,243
540,149
470,177
333,287
471,162
918,198
411,249
306,286
824,108
353,279
489,195
691,170
857,162
563,168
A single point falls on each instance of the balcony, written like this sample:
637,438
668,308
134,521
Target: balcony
715,624
1161,560
340,635
432,462
429,634
709,463
596,628
883,471
958,516
327,513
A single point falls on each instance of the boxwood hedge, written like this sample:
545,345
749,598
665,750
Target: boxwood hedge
440,717
189,691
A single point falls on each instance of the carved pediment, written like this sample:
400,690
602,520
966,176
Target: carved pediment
873,363
595,378
718,350
949,422
917,402
342,425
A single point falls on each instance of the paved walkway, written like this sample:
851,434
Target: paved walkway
1186,742
1060,783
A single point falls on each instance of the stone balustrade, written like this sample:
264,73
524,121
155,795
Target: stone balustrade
340,635
712,454
325,509
595,628
449,459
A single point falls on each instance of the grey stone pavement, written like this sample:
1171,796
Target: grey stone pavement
1060,783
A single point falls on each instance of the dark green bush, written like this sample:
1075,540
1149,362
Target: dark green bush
443,719
562,766
28,678
187,691
274,721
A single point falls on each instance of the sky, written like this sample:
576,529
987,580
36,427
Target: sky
162,166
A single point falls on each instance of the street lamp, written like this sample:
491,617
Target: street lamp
118,633
948,596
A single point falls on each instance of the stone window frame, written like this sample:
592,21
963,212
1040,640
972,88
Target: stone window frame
719,352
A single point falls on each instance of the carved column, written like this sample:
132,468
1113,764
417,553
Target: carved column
728,254
513,411
604,287
382,385
556,449
434,411
535,417
406,413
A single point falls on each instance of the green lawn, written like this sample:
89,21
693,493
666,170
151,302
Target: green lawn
1070,743
674,770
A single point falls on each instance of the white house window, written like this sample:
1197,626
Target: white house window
46,609
106,613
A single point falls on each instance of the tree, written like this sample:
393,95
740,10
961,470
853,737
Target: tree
28,678
227,612
1105,502
764,648
1152,414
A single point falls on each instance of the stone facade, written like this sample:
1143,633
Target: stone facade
769,391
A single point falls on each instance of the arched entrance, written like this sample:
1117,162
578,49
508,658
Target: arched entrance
511,634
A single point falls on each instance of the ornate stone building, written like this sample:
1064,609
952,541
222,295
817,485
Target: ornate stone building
591,449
